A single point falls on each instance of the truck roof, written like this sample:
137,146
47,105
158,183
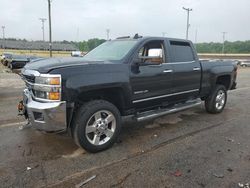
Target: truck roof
140,38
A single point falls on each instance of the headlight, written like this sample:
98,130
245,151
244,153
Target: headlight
48,80
47,87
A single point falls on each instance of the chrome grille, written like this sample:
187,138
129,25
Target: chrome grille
29,78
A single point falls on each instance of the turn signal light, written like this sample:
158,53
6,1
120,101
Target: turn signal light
54,81
54,95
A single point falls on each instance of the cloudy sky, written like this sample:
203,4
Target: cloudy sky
84,19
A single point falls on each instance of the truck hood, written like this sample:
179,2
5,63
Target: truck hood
46,65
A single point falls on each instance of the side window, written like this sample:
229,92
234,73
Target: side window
181,51
141,51
152,52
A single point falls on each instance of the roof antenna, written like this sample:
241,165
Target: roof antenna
137,36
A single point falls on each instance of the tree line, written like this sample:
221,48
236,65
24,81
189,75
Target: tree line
90,44
211,47
230,47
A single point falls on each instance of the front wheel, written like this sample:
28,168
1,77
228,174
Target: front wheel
216,101
96,125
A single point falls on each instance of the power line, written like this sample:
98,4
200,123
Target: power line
77,34
3,28
107,31
50,33
188,25
223,41
196,33
195,38
43,20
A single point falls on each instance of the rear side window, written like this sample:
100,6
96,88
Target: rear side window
181,51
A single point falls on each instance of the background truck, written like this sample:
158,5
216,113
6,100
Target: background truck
142,77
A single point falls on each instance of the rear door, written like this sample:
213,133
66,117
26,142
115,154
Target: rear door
186,70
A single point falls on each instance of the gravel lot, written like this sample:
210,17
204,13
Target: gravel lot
186,149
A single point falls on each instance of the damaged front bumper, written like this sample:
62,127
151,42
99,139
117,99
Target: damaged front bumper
46,116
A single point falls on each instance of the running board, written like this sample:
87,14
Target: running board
160,112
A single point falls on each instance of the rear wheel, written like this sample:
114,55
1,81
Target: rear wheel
96,125
216,102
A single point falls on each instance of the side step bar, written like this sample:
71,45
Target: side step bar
160,112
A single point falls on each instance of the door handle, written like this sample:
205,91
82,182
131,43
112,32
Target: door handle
196,69
168,71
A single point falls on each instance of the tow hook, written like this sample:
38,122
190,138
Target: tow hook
20,108
22,112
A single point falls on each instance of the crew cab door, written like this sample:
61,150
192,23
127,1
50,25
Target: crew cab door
186,70
151,76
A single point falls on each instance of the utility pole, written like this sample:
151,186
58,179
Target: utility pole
107,31
50,34
223,41
43,20
163,34
188,25
3,28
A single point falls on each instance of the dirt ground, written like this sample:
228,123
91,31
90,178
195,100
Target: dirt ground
186,149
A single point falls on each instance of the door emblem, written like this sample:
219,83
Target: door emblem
140,92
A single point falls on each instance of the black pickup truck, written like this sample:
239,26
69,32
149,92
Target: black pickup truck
142,77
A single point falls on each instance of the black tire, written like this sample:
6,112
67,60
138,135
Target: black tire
211,104
85,114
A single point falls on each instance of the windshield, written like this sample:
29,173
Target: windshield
110,50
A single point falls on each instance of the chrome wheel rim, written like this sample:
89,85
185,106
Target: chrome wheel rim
220,99
100,127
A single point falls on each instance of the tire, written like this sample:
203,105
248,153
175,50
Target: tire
244,66
217,100
105,120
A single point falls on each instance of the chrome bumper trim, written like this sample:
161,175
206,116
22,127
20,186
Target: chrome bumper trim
46,116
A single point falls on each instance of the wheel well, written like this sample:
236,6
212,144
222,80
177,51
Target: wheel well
224,80
112,95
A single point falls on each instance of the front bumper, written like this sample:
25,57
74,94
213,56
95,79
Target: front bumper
46,116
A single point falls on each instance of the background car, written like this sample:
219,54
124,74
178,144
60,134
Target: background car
76,54
245,63
17,61
5,58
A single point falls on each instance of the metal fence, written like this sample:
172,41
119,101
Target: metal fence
35,45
